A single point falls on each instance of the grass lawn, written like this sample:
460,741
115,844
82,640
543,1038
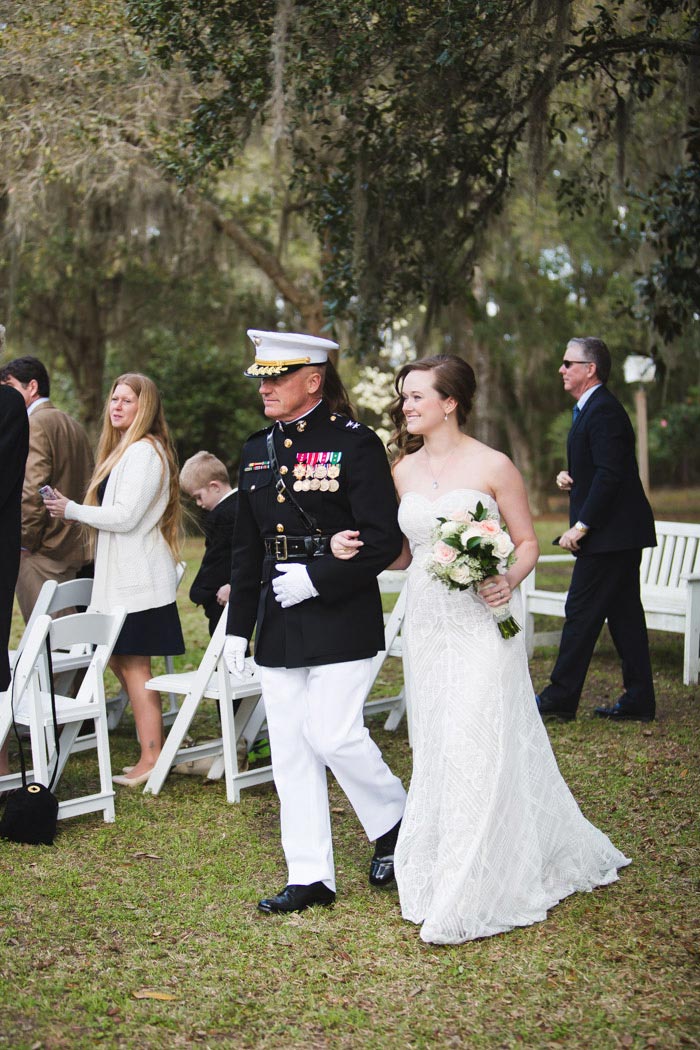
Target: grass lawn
145,934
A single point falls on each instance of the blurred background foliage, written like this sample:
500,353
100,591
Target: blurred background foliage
481,177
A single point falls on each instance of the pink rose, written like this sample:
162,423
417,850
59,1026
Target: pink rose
460,515
488,527
443,553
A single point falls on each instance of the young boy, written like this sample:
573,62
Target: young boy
205,479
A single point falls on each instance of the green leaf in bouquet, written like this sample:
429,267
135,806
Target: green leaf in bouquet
452,541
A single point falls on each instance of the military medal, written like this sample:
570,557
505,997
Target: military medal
324,485
333,470
298,486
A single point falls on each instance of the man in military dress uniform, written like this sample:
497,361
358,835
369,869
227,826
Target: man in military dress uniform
318,619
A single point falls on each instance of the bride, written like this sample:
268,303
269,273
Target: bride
491,837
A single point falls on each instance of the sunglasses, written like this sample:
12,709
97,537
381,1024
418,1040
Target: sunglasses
568,364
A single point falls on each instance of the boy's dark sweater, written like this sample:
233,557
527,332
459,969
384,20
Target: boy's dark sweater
215,569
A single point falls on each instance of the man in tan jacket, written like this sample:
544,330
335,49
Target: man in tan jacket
59,456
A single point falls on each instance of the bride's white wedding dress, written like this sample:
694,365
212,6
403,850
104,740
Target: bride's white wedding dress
492,837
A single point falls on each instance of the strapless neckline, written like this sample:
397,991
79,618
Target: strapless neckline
444,495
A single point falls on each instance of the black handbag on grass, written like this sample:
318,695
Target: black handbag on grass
31,811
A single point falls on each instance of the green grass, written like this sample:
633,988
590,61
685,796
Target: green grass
164,901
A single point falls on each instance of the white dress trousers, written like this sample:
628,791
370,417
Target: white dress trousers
315,720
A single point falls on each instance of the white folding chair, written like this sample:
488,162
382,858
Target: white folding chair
212,680
30,698
55,598
41,608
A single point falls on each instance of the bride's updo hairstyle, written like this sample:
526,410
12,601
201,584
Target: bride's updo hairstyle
451,377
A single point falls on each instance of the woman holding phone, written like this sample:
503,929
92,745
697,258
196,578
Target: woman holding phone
133,504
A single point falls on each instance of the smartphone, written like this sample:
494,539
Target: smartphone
46,492
555,541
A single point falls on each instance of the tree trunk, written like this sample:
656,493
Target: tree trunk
309,306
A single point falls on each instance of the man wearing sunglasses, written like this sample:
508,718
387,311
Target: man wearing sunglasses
611,521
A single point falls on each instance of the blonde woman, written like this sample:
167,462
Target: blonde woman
133,504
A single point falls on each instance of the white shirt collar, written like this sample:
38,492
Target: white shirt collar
39,401
584,397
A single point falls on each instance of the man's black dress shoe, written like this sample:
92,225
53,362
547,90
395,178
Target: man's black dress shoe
622,712
548,709
297,898
381,868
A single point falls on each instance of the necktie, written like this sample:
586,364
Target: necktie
577,412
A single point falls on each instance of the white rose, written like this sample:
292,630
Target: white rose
460,574
503,545
449,528
470,533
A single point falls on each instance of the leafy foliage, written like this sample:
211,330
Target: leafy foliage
402,120
671,289
674,438
210,405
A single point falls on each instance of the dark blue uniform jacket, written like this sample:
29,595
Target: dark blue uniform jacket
352,488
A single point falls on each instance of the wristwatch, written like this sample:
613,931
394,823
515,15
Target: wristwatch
581,527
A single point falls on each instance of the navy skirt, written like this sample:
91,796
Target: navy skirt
152,632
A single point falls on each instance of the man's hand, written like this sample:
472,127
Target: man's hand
346,544
571,539
564,481
293,586
223,593
235,649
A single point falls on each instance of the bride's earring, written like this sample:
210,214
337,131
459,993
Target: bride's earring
446,416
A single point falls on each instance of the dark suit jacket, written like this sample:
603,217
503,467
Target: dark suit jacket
215,569
607,493
345,622
14,445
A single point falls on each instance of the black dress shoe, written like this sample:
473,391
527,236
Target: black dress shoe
548,709
297,898
622,712
381,868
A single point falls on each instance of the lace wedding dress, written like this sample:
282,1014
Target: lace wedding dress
492,837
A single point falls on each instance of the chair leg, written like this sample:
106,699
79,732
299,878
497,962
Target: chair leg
104,762
172,744
691,647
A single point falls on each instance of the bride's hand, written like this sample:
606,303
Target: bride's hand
345,545
495,590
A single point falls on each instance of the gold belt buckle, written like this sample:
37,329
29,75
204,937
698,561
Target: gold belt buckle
281,552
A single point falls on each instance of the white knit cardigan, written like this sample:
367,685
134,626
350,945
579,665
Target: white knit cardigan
134,566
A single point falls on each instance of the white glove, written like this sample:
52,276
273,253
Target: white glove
293,586
235,649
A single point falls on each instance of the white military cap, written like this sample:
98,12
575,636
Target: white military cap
279,352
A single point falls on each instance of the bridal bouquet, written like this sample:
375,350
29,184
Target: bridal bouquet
469,546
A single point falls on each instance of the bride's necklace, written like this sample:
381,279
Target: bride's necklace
434,476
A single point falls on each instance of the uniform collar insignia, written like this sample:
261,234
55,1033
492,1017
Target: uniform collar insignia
317,415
